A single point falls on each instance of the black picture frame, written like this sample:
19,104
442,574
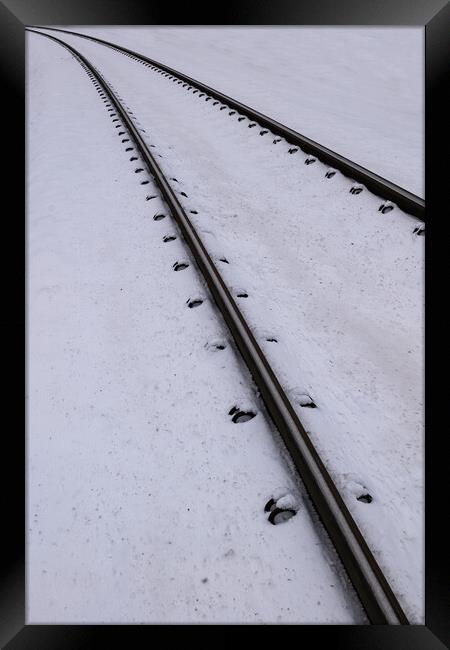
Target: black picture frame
434,16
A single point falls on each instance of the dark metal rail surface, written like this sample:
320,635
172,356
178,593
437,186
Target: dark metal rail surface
373,590
407,201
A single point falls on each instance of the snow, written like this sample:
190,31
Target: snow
145,502
287,501
358,91
335,282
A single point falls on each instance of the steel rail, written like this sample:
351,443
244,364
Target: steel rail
407,201
375,594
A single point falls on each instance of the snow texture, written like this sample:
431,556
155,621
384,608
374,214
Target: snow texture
151,487
145,502
358,91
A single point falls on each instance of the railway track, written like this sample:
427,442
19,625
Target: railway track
407,201
375,594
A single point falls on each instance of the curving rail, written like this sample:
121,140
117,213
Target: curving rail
407,201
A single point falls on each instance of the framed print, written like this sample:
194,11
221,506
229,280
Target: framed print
228,422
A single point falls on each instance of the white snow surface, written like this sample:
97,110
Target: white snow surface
335,282
145,503
358,91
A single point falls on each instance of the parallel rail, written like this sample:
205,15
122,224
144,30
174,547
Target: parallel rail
407,201
375,594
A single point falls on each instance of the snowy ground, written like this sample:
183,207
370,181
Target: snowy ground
145,501
335,282
358,91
